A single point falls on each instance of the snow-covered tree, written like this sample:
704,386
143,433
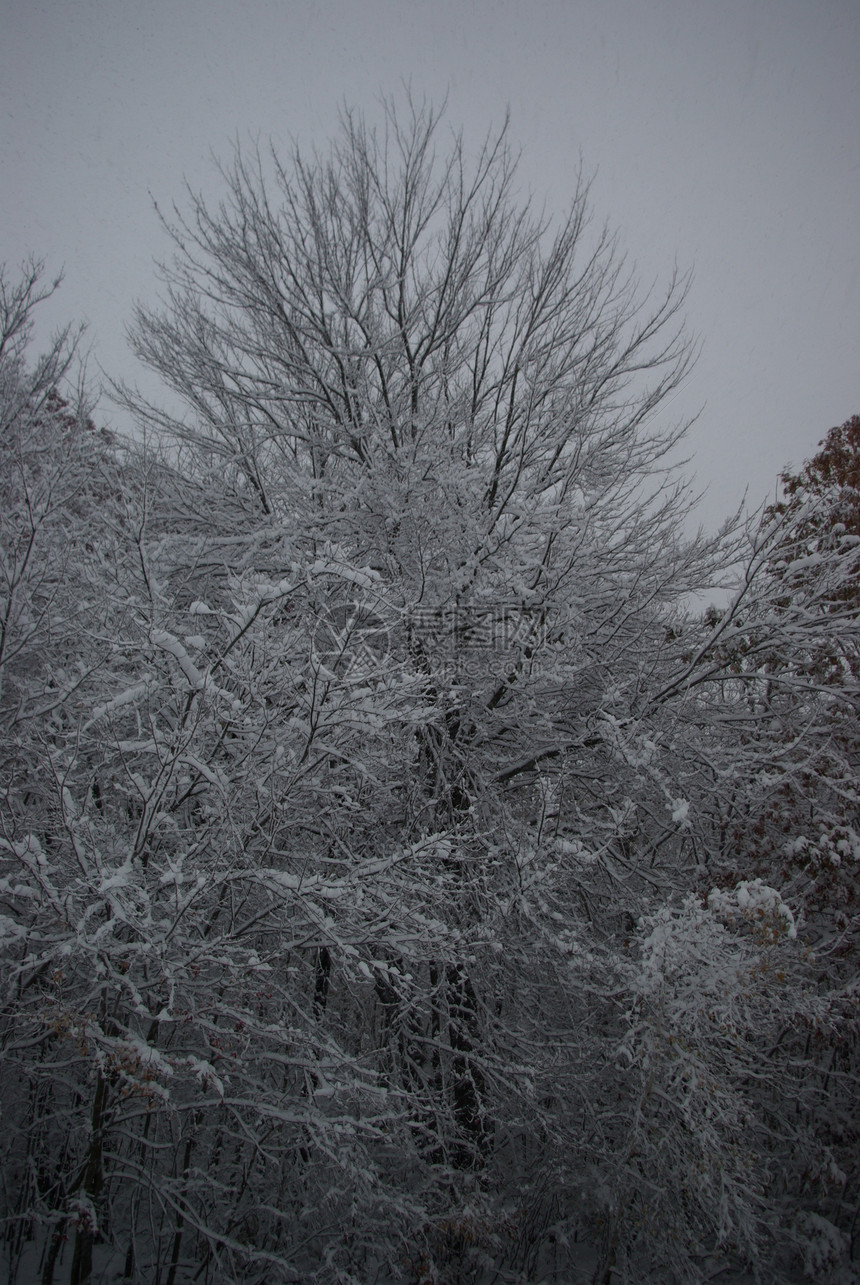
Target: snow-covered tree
203,887
770,685
369,792
387,355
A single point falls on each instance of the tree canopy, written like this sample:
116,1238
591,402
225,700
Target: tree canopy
398,879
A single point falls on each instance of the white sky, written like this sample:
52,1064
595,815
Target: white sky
725,133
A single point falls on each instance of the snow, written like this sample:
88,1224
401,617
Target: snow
206,1074
680,810
167,642
755,900
121,878
131,694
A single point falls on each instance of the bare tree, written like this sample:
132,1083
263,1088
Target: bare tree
386,349
368,831
189,792
387,352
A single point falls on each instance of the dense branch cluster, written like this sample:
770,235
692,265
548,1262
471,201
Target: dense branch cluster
399,881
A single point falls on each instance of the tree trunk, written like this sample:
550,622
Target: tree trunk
82,1260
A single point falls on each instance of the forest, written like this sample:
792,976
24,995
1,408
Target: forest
424,857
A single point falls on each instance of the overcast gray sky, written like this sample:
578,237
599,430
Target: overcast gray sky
725,135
